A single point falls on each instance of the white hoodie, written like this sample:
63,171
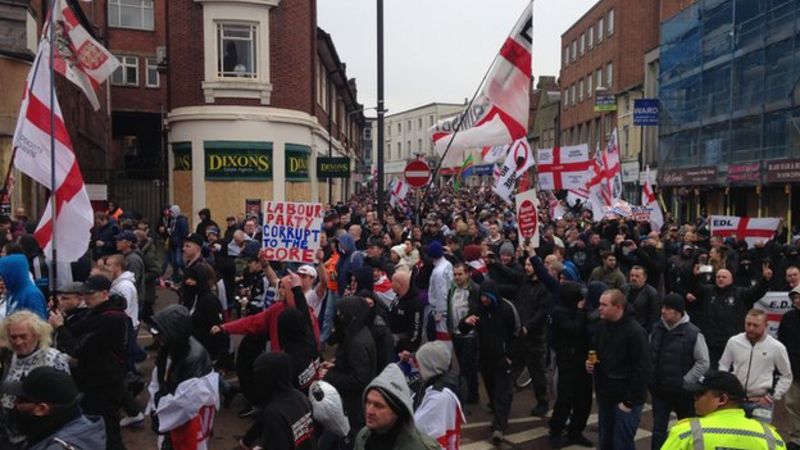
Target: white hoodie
753,364
125,286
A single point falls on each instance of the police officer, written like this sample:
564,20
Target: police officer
722,423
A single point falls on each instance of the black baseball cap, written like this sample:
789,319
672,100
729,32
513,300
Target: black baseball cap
96,283
44,384
719,380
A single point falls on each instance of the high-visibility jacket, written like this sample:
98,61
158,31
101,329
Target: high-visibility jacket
726,428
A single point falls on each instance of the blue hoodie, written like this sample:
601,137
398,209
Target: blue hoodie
22,293
349,261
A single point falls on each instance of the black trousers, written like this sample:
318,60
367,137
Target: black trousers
532,353
496,375
573,399
249,349
466,349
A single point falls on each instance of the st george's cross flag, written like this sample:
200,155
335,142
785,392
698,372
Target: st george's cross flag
79,57
612,179
32,141
650,202
563,167
398,190
499,112
598,199
752,230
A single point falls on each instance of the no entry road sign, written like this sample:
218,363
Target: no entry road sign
417,173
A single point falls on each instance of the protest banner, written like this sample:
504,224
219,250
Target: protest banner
291,231
775,304
527,217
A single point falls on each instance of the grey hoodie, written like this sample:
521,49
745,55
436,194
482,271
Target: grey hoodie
392,382
83,433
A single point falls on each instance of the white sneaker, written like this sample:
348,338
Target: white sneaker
132,421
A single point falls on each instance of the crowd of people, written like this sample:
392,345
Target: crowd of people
385,340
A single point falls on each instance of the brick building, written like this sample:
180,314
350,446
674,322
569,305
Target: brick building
603,53
544,108
257,93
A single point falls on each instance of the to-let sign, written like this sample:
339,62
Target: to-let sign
417,173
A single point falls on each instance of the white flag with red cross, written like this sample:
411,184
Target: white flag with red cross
563,167
499,112
80,58
398,190
750,229
32,140
650,202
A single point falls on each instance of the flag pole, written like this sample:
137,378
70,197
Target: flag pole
53,201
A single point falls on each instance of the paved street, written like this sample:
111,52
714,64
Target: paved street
524,431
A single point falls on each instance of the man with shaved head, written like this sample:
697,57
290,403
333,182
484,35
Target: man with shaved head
724,306
405,317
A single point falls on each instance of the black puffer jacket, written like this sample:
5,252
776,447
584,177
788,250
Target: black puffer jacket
355,358
189,359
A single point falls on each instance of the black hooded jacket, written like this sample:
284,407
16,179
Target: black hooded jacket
381,333
286,422
206,311
188,357
297,339
355,357
497,327
569,335
205,223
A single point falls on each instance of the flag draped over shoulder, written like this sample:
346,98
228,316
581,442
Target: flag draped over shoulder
32,140
499,112
80,58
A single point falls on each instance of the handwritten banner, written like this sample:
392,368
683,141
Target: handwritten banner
291,231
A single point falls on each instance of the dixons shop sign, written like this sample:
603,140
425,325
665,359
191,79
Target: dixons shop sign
234,160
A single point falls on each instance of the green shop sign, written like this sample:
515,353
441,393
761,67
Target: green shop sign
297,157
333,167
182,154
238,160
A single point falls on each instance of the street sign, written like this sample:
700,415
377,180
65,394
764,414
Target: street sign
604,101
646,112
417,173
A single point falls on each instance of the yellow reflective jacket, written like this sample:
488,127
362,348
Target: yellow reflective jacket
726,428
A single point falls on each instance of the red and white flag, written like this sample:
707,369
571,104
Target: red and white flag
398,190
563,167
494,153
597,199
612,183
499,112
751,230
80,58
650,202
74,216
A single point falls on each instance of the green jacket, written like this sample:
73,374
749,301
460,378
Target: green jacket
409,438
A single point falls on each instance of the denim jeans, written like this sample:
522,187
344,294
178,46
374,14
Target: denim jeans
328,315
683,405
616,427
